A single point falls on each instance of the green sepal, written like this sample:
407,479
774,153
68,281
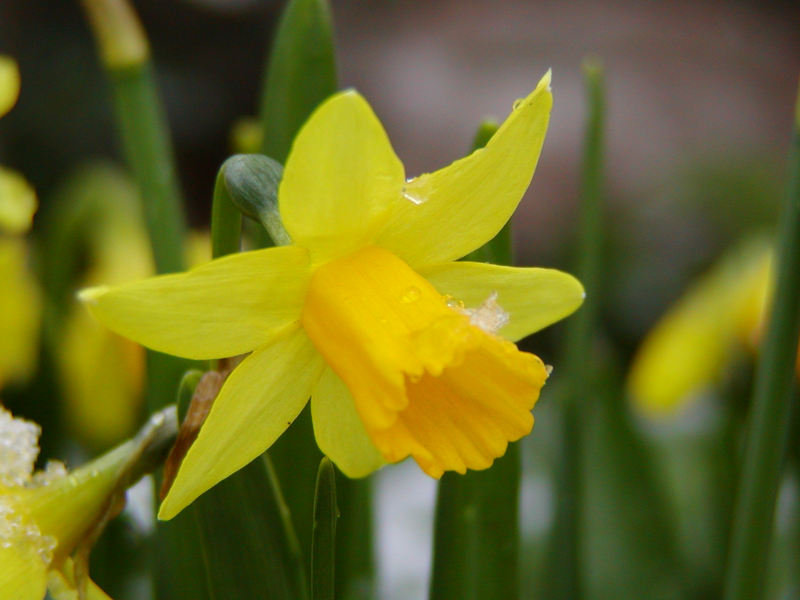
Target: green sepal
250,182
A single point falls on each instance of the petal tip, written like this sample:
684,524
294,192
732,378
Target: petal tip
168,509
92,294
546,80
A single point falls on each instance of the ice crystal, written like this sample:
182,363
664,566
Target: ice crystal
19,447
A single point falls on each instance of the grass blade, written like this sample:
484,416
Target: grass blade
301,73
769,415
323,541
565,570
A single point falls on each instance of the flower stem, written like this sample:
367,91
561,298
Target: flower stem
476,533
226,220
566,577
146,144
148,151
125,55
769,416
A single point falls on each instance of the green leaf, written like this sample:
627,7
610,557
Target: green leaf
565,572
226,220
355,563
244,542
768,423
323,541
301,73
476,534
628,545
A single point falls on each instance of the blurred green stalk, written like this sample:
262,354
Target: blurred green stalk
566,577
125,52
769,417
125,55
476,531
148,151
300,74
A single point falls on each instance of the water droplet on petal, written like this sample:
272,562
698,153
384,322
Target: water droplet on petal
454,303
517,103
411,294
413,198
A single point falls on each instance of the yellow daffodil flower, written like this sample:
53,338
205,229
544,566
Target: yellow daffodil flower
20,300
17,198
9,83
20,307
691,344
403,351
44,516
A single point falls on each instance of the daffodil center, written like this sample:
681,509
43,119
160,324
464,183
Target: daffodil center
363,312
428,376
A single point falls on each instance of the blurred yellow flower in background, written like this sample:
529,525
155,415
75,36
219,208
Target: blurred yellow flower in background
690,346
20,303
101,206
98,228
403,352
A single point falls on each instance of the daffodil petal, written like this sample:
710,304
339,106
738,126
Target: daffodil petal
9,83
338,429
533,298
260,399
23,575
456,209
223,308
341,178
